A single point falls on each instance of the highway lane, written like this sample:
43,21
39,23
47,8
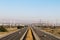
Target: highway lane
15,36
43,35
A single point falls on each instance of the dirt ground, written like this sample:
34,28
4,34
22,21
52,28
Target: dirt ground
55,31
29,35
10,30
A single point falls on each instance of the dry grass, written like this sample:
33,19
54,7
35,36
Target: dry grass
55,31
10,30
29,35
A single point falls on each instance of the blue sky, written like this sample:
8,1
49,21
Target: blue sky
30,10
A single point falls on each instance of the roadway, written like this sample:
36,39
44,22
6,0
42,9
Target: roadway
15,36
43,35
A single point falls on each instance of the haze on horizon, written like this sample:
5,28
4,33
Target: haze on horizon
29,10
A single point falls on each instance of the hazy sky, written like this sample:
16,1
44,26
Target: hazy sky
30,10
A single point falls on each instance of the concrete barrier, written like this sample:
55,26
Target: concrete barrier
35,35
23,35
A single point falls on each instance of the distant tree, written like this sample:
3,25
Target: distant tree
26,26
38,26
58,32
53,27
2,29
19,27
